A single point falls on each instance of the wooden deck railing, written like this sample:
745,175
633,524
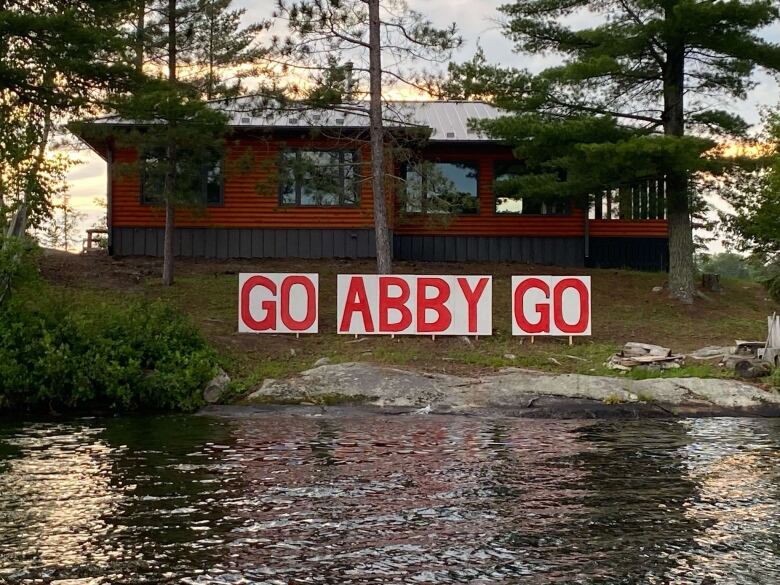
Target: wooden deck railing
92,243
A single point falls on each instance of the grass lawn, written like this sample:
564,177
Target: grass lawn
624,309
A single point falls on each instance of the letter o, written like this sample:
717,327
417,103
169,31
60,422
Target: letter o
311,303
582,324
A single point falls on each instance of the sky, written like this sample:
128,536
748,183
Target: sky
478,24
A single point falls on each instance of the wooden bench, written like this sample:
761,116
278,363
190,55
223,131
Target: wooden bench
91,244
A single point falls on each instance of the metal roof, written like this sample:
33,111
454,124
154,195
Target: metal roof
445,120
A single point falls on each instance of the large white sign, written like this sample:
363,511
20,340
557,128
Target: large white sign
278,303
414,305
551,305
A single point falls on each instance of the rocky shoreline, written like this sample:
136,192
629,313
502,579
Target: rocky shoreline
512,392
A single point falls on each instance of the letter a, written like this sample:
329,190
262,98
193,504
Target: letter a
356,302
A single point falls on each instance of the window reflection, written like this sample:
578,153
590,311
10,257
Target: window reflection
319,177
515,203
441,187
199,179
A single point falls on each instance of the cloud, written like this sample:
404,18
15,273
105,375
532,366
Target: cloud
90,166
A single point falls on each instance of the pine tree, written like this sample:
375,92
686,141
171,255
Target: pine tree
182,136
58,59
224,52
328,36
78,40
652,71
205,53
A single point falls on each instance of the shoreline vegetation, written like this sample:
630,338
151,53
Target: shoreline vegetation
67,349
205,295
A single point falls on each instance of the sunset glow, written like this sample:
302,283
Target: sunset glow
748,149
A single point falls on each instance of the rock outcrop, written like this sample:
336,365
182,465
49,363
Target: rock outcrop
519,391
216,388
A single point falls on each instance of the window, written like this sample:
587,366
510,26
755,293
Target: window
213,184
319,178
152,176
441,187
205,186
514,202
641,199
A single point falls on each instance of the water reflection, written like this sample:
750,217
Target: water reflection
388,499
67,473
736,469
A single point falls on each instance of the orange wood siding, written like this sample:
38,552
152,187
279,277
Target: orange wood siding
616,228
251,197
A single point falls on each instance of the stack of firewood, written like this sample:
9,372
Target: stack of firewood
645,355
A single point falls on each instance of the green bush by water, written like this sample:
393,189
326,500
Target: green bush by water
17,264
61,353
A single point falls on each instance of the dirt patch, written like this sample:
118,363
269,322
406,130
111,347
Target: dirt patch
97,271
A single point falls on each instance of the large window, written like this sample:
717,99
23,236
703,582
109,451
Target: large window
441,187
319,178
200,183
515,203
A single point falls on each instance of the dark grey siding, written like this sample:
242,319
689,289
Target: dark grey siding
537,250
637,253
247,243
345,243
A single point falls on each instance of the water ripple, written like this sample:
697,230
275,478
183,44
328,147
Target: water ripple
388,499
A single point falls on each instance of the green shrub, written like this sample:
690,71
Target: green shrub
772,284
16,264
60,354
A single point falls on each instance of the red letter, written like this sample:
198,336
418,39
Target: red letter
356,302
311,303
472,299
543,324
269,321
444,319
581,325
387,302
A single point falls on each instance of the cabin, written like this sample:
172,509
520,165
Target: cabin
257,203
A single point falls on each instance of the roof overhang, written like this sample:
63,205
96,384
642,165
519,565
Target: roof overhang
433,121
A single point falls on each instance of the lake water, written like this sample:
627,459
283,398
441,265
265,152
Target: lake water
361,498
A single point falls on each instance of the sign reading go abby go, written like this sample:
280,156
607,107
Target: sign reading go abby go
370,304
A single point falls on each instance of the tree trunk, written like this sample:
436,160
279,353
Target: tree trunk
681,267
140,27
170,172
3,209
18,225
384,257
170,224
210,82
711,282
